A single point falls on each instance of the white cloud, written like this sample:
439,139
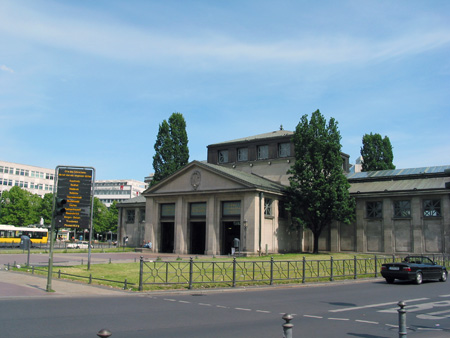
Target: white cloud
115,40
6,69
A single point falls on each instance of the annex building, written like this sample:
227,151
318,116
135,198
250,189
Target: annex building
238,193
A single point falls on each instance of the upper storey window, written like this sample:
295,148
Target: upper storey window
263,152
432,208
242,154
284,150
223,156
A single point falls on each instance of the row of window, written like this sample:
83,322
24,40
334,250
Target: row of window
25,172
109,200
402,209
284,150
131,215
24,184
112,192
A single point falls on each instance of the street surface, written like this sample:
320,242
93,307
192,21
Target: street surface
361,308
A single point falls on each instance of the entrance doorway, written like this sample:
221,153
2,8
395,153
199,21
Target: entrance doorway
198,237
167,237
231,230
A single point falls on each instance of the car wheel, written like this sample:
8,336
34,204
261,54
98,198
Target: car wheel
390,280
443,276
419,278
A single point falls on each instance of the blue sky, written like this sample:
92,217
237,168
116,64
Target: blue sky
88,82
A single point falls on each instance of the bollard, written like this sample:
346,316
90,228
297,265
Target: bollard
287,327
401,320
110,260
104,333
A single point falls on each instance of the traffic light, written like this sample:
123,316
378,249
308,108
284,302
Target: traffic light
59,207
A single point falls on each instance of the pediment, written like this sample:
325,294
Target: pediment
196,178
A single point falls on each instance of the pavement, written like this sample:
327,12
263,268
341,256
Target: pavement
24,285
15,284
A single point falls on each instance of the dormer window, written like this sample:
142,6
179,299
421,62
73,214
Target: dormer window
284,150
263,152
223,156
242,154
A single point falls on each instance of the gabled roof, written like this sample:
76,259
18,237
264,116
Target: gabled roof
247,180
274,134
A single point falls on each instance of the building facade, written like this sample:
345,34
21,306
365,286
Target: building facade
109,191
238,194
41,181
36,180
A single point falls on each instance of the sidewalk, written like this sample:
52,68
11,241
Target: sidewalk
19,284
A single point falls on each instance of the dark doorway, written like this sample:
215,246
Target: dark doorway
198,237
167,237
231,230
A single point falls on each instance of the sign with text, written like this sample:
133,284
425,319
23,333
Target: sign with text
74,185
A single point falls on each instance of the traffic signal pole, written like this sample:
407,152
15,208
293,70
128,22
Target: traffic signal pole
50,257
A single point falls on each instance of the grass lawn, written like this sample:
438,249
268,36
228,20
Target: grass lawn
211,272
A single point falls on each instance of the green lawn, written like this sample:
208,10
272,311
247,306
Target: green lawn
209,272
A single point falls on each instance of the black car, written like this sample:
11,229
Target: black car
414,268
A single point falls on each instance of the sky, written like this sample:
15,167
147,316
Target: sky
87,83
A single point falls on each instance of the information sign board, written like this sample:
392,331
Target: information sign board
74,184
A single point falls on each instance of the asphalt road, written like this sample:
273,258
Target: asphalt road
362,308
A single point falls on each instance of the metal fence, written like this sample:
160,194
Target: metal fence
230,273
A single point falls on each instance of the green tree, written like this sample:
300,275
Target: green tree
171,147
113,217
376,153
319,191
46,208
100,216
19,207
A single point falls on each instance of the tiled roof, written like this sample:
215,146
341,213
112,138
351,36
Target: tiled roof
397,173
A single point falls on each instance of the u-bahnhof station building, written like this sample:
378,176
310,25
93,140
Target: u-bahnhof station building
238,194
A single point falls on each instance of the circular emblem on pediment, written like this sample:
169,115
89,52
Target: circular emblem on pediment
195,179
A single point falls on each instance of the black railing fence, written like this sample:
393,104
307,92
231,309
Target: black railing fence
236,271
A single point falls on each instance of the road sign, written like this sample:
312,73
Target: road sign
75,186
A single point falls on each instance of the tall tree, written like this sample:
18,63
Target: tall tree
376,153
19,207
171,147
319,191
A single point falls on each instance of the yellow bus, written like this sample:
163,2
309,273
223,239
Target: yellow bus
10,235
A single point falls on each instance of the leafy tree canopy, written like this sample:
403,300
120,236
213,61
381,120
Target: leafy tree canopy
319,191
376,153
20,207
171,147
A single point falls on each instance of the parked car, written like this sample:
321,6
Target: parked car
414,268
79,245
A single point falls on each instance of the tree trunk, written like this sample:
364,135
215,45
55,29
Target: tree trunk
316,242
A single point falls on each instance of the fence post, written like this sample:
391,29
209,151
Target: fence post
376,267
90,278
355,266
331,263
234,272
191,272
141,273
32,270
125,284
287,327
271,270
304,269
59,274
401,320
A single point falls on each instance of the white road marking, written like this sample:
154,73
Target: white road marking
184,301
365,321
203,304
310,316
375,305
242,309
262,311
435,315
419,307
170,300
222,307
338,319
